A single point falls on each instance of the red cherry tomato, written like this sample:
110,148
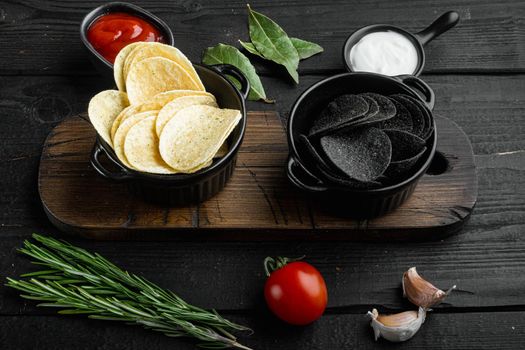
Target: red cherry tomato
295,292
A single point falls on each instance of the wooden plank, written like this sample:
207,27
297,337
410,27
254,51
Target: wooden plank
503,330
258,202
489,108
488,271
489,37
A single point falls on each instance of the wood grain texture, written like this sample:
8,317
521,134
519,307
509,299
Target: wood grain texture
258,202
478,331
489,109
229,276
488,37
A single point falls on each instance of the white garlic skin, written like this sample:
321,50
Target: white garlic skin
397,327
420,292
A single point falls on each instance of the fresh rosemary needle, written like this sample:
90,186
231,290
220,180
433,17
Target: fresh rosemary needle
81,282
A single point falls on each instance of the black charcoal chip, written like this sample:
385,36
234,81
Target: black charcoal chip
404,144
379,110
387,109
373,109
313,152
418,118
330,173
347,182
362,154
430,128
341,110
427,117
429,125
399,168
401,121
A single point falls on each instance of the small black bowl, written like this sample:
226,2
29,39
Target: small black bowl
101,64
344,201
445,22
183,189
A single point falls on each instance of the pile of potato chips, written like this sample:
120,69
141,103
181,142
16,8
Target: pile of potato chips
161,120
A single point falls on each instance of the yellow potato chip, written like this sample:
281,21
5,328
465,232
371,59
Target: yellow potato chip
141,148
170,109
195,134
154,75
155,103
202,166
132,110
118,66
122,131
199,167
155,49
223,150
103,108
116,122
167,96
206,165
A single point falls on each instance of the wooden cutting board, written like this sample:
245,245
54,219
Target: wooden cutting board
257,203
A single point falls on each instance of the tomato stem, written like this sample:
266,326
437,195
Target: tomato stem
271,264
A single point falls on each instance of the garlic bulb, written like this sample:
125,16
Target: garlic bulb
421,292
397,327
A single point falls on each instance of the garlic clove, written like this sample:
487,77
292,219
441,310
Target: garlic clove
420,292
397,320
397,327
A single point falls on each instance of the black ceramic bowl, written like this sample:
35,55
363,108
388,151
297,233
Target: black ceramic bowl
101,64
438,27
359,203
181,189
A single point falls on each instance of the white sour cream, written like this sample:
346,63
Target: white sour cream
388,53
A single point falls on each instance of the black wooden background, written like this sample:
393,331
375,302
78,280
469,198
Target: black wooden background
477,71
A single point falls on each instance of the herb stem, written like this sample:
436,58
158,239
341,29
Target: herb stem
80,282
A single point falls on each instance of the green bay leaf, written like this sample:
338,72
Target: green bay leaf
228,54
305,48
272,42
250,48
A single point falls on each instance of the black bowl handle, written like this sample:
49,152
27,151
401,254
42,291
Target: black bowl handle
438,27
228,69
120,175
295,170
417,84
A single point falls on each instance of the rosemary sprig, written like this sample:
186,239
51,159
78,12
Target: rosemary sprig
84,283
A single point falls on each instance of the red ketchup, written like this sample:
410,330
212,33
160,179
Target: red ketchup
110,33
